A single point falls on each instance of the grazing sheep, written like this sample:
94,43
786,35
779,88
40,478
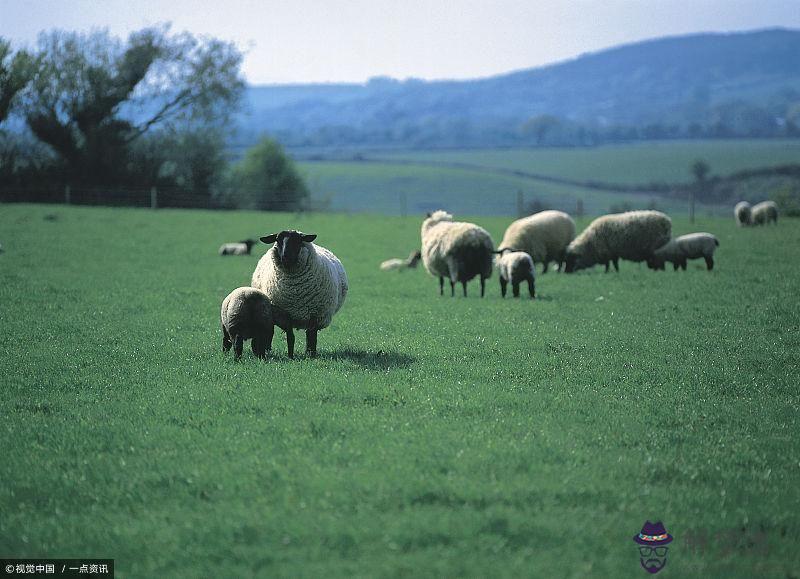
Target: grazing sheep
633,235
544,236
306,284
765,212
515,266
238,248
680,249
402,264
247,314
456,250
743,214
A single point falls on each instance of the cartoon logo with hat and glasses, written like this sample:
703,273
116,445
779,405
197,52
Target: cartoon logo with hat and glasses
653,541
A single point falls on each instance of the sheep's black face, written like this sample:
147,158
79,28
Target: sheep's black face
288,244
569,263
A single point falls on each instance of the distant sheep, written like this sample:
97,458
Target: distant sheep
514,267
743,214
247,314
544,236
238,248
402,264
633,235
679,250
456,250
305,282
765,212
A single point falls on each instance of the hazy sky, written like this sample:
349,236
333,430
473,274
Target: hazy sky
352,40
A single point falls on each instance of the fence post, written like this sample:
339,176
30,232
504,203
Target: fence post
66,194
153,198
520,203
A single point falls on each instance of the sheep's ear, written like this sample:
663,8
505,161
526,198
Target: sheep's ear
309,237
272,238
428,214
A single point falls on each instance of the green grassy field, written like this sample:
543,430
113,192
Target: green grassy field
631,164
432,437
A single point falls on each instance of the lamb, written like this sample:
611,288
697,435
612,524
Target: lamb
544,236
402,264
247,314
515,266
765,212
305,283
690,246
633,235
456,250
239,248
743,214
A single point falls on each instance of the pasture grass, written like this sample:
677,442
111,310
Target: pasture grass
432,437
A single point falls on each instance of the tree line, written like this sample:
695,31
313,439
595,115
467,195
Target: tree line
153,110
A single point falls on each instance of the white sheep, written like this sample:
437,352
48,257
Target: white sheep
456,250
633,235
743,214
402,264
246,314
305,283
689,246
765,212
544,236
515,267
238,248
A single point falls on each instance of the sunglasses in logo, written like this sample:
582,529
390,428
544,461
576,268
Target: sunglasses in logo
658,551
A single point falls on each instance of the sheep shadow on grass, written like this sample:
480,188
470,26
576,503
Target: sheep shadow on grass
379,360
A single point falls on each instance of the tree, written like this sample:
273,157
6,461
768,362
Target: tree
15,73
700,171
267,179
93,95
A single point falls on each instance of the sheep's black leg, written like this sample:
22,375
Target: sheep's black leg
615,261
311,342
452,289
464,285
268,335
226,340
290,342
483,286
675,265
441,286
503,287
710,263
238,345
608,266
544,269
532,287
258,344
683,265
515,288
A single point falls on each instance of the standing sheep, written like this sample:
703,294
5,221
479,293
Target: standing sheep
305,282
679,250
246,313
765,212
456,250
633,235
743,214
239,248
515,267
402,264
544,236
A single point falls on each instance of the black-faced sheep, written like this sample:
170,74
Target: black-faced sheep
633,235
246,314
743,214
544,236
305,283
679,250
238,248
402,264
456,250
765,213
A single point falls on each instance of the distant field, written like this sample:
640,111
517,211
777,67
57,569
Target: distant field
481,187
414,189
639,163
433,437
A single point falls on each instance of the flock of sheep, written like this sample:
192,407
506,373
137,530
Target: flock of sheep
300,285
